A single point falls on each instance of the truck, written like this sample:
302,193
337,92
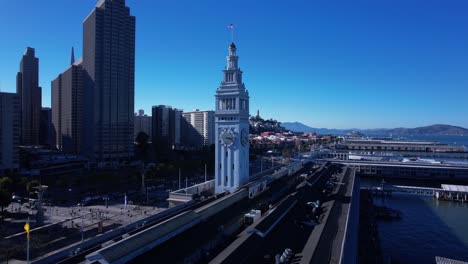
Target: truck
252,217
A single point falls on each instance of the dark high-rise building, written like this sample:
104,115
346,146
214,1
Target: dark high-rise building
109,73
67,109
166,125
30,95
9,132
45,131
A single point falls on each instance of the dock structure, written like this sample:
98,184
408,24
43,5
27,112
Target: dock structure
448,192
453,193
389,189
406,170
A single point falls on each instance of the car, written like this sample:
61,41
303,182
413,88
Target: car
17,198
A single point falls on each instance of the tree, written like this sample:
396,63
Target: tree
286,153
299,145
5,198
6,183
142,138
142,146
30,185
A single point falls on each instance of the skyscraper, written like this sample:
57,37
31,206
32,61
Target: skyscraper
9,132
45,132
166,126
30,96
232,128
109,73
67,109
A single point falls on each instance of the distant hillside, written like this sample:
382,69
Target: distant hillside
299,127
427,130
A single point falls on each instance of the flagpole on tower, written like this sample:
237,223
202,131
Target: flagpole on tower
231,27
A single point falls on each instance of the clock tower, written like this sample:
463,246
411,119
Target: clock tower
231,128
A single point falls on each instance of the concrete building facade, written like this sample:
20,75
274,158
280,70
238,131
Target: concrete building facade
142,123
9,132
30,96
109,80
198,128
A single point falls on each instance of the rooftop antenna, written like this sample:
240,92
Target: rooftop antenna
72,56
231,27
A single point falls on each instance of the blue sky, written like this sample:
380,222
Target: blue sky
326,63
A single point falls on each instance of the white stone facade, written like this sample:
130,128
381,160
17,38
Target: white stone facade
231,128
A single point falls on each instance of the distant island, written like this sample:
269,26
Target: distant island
437,129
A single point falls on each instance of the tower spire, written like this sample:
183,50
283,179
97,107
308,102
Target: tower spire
72,56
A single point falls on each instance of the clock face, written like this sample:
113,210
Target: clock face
244,137
227,137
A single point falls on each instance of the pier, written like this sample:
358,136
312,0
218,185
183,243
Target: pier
407,170
446,192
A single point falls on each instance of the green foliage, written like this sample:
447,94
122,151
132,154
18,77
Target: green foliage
6,183
142,138
286,153
22,183
5,198
30,185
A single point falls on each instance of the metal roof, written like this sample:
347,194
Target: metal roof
455,188
267,224
442,260
145,240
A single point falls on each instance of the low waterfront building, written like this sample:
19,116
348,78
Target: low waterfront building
398,145
453,193
408,170
330,154
50,164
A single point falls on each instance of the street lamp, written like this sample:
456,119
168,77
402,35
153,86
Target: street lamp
106,198
261,163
